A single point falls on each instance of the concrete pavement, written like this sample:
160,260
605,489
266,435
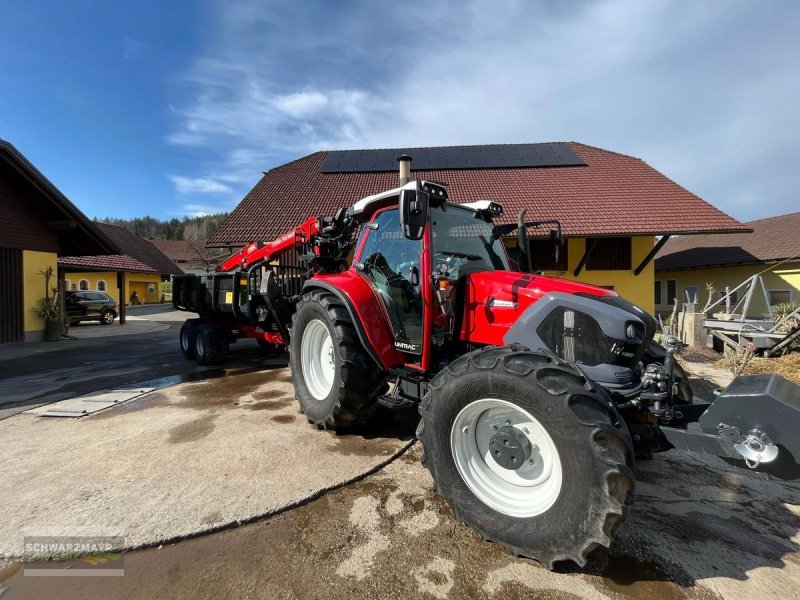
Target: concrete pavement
174,463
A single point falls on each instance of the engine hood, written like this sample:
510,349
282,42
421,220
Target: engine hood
495,299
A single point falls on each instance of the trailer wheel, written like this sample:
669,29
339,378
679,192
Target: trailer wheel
211,345
187,339
528,452
335,381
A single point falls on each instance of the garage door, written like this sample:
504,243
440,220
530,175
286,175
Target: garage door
11,324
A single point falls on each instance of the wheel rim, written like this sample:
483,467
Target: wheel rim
200,346
185,340
525,492
316,352
108,317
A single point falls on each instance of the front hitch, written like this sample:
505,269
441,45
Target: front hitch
756,419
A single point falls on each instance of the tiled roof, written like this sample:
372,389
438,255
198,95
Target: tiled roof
187,251
613,194
178,250
140,249
772,239
111,262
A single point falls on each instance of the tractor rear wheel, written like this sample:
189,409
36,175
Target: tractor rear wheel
211,345
528,452
335,380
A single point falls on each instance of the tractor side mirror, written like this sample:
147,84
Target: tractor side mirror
413,213
557,241
555,238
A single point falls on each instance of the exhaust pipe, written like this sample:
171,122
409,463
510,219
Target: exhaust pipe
405,168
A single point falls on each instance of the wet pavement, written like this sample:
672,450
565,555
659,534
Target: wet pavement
70,368
696,531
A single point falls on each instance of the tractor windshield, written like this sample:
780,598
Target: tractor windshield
462,242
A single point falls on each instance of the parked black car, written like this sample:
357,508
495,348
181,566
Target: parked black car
90,306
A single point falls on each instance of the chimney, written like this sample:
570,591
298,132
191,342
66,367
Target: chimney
405,168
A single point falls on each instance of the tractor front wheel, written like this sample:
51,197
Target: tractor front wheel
528,452
335,380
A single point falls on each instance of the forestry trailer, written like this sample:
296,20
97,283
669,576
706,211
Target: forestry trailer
535,393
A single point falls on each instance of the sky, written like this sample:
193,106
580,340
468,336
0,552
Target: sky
176,108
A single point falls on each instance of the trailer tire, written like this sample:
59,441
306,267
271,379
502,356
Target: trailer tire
335,380
187,337
576,477
211,345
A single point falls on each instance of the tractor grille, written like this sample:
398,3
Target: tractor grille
576,337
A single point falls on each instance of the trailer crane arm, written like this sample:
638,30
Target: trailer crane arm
256,251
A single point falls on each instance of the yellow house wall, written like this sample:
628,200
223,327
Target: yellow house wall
635,288
33,287
110,277
138,282
783,277
132,282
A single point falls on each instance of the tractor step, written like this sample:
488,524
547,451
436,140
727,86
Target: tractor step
396,402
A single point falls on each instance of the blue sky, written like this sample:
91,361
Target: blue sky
175,108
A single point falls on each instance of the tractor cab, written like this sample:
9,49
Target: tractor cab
416,250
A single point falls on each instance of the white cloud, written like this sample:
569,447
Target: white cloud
200,210
302,104
198,185
703,92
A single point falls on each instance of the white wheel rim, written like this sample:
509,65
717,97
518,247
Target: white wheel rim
525,492
316,352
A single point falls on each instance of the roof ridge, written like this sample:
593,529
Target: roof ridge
791,214
606,150
291,162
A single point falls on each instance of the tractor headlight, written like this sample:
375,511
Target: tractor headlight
634,331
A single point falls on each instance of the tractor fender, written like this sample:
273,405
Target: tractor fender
368,319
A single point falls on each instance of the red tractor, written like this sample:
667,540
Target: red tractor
535,393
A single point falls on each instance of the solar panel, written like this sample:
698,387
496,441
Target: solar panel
489,156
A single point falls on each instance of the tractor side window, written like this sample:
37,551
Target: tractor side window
389,260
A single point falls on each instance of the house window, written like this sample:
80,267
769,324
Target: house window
609,254
542,258
659,294
779,297
672,291
691,294
151,288
83,285
101,285
734,297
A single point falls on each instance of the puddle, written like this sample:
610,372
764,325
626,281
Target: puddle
269,394
271,404
634,578
193,430
225,391
283,418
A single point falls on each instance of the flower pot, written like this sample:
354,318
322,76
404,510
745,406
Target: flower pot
52,330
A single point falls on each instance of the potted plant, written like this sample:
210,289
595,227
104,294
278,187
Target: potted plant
49,309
